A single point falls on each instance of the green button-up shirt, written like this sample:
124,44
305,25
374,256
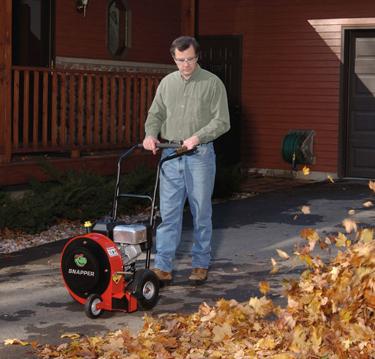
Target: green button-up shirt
184,108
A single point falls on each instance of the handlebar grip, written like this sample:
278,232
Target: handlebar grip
168,145
163,145
180,149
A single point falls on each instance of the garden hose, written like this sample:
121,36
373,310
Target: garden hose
291,149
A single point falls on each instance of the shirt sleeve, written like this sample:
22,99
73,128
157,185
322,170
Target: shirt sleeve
219,122
156,114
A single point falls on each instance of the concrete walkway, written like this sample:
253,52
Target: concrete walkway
34,305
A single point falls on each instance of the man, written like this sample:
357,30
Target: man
190,107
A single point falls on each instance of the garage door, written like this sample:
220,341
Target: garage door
360,104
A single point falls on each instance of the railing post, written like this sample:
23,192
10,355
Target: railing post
5,80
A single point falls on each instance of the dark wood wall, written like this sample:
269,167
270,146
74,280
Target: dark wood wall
154,26
291,70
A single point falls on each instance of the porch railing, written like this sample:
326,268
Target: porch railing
70,110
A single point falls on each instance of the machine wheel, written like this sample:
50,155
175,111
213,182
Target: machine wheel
145,288
90,306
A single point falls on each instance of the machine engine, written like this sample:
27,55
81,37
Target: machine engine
128,239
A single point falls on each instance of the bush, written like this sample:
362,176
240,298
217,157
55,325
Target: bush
87,196
72,196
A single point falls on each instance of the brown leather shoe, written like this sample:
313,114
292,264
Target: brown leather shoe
198,275
163,276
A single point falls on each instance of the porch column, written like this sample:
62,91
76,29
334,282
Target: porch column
188,8
5,80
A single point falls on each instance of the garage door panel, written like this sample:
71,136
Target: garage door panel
363,103
363,158
364,85
363,122
365,46
364,66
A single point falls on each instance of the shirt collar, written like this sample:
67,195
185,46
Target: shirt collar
194,75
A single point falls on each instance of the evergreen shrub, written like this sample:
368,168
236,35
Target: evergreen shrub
86,196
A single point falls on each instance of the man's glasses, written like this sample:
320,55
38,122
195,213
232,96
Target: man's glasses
189,60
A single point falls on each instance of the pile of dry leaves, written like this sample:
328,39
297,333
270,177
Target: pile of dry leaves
330,314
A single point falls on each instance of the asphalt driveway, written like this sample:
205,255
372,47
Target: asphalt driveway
34,305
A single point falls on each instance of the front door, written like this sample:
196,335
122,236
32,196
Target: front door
222,55
32,46
359,102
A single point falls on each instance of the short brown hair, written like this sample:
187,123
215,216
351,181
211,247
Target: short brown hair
182,43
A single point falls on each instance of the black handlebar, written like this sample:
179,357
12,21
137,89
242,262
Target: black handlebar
168,145
162,145
179,151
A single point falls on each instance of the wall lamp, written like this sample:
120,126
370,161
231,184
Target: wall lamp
81,6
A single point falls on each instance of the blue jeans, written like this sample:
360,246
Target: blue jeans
191,177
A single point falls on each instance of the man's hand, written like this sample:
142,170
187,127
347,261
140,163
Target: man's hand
191,142
149,143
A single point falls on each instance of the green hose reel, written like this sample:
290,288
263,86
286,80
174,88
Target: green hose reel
298,147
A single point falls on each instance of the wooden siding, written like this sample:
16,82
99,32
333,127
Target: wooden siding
291,70
154,26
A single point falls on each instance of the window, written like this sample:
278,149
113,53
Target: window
118,27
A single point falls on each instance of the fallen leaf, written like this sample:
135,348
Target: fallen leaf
209,316
275,267
366,235
351,212
342,240
349,225
262,306
309,234
370,298
368,204
307,259
299,339
62,346
282,254
15,341
331,179
306,170
305,210
282,356
266,343
328,241
316,338
334,273
371,185
221,331
264,287
345,315
70,335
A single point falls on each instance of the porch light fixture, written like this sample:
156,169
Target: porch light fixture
81,6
